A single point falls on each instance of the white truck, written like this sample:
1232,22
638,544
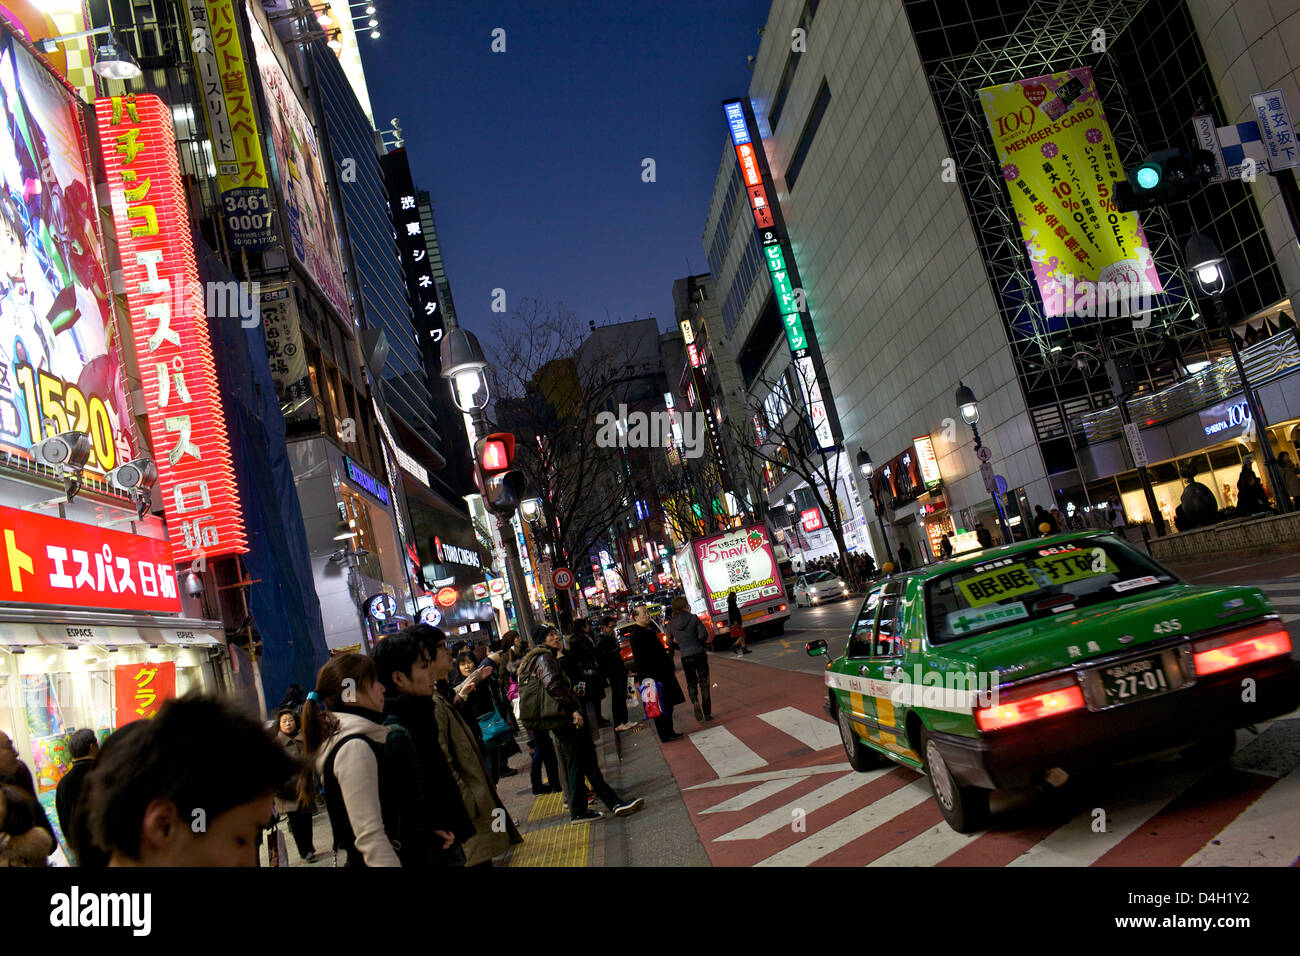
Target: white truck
740,560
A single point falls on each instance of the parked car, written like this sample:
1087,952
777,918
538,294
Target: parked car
818,588
1052,656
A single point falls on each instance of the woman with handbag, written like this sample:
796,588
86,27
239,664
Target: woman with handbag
547,702
737,625
479,699
650,660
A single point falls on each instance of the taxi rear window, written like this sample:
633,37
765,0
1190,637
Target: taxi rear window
1034,583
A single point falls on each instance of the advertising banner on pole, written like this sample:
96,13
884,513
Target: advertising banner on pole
303,191
142,689
232,124
1060,165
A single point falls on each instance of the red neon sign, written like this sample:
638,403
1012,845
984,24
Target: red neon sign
187,428
47,560
812,519
749,165
142,689
762,208
447,596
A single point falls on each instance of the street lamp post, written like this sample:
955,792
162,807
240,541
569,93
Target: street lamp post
1206,262
969,408
867,469
462,365
789,510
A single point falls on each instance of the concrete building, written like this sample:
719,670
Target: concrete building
916,275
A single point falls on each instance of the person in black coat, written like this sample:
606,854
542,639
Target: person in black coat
649,659
583,669
615,671
83,747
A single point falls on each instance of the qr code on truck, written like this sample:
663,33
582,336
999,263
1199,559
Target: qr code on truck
737,571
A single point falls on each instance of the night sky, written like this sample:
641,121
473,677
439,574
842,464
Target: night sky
533,157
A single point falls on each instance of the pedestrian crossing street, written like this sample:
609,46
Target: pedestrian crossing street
775,790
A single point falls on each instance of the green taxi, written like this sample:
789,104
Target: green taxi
1004,668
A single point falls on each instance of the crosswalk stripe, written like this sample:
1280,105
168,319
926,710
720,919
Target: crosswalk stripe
841,767
828,839
752,796
927,849
1075,843
782,817
725,752
1267,833
815,733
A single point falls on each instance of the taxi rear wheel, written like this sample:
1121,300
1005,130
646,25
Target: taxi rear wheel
965,808
861,757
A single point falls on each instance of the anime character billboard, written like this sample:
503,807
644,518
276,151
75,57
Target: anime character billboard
59,354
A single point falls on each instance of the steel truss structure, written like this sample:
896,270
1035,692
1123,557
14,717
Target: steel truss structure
1061,372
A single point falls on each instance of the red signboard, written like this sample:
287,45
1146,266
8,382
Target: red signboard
446,596
748,164
762,210
195,474
812,519
141,689
47,560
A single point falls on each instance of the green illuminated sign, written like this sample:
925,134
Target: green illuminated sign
781,286
775,258
794,331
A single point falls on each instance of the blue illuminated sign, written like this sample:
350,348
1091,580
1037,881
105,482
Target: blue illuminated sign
736,121
364,480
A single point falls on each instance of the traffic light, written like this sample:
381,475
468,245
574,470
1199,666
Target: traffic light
1168,175
502,487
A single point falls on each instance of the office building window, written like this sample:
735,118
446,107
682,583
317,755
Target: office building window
809,133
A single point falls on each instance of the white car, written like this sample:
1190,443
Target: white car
819,587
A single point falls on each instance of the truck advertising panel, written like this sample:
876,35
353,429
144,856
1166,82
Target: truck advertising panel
741,560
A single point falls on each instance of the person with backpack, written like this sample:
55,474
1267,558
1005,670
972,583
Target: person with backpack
692,638
344,733
547,702
437,823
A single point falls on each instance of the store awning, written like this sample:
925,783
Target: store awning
25,627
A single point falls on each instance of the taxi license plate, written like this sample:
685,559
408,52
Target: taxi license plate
1133,680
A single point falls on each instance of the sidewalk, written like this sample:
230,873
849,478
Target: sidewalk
660,834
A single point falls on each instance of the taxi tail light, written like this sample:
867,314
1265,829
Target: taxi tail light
1045,703
1239,648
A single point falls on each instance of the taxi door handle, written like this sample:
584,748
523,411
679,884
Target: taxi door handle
863,670
890,670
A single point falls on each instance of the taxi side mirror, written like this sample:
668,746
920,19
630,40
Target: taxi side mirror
815,648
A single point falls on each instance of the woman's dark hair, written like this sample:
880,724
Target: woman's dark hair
680,605
466,656
540,632
317,721
200,753
19,815
289,711
398,653
581,626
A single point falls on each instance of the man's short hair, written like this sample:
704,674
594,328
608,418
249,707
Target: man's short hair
80,742
200,752
398,652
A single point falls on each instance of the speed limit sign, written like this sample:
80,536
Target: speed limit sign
562,578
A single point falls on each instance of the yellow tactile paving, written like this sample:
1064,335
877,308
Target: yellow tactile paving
557,845
546,805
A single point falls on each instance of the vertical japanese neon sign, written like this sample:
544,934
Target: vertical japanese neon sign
196,475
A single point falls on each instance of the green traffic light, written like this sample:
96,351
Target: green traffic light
1148,177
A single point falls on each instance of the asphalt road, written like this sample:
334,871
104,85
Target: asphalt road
827,621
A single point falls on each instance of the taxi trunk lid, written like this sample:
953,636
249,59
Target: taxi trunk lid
1105,629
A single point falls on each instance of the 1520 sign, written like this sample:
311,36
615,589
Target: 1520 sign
45,396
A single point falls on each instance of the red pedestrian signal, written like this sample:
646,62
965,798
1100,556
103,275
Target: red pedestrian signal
502,488
495,452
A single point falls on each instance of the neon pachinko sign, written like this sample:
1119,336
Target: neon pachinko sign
186,425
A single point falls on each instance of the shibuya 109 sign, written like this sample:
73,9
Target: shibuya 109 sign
1059,162
195,474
